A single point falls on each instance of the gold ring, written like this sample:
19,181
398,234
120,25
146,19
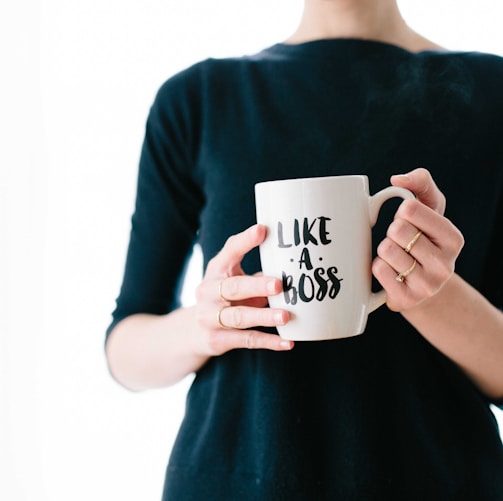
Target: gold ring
409,246
222,297
402,276
219,320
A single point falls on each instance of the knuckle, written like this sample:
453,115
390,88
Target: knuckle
423,175
377,267
385,248
380,269
396,228
458,241
199,292
212,264
229,243
453,242
408,209
232,286
237,317
251,340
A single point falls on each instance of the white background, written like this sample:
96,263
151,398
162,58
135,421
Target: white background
76,82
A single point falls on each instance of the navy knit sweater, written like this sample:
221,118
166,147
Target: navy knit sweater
380,416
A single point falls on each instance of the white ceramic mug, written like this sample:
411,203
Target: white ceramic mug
319,244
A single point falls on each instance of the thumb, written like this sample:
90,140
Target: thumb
420,182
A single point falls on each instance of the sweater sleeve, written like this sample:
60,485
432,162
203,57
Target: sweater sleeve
493,276
491,69
168,201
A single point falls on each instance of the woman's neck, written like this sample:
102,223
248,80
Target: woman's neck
378,20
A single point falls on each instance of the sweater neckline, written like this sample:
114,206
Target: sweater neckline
348,46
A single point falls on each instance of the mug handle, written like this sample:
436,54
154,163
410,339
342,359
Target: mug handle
375,203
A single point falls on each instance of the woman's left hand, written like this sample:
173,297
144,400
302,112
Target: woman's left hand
413,266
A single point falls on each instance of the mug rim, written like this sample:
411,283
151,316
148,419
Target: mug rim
312,179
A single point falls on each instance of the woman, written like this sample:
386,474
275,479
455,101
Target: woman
401,411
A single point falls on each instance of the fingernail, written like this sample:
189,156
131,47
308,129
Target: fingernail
278,318
271,287
286,344
403,176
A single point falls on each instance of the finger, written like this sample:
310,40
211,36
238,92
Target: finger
249,339
421,275
242,287
422,283
401,262
435,261
244,317
253,340
438,229
420,182
410,239
399,295
228,261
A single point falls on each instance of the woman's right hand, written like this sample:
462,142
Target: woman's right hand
230,304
